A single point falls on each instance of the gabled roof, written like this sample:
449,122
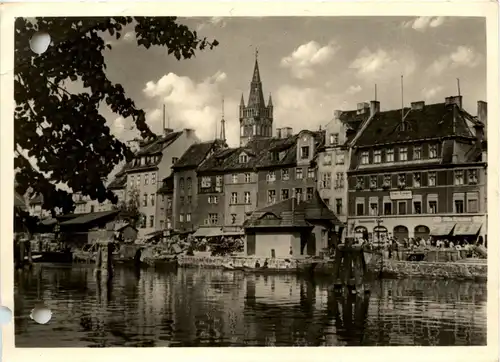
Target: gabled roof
291,213
118,183
196,154
159,144
433,121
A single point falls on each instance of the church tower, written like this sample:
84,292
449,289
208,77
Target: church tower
256,119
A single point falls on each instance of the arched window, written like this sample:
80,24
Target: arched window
188,183
181,183
400,232
422,232
360,232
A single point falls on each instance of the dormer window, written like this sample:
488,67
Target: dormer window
360,183
365,160
143,161
334,139
243,158
304,152
275,156
433,151
403,153
401,180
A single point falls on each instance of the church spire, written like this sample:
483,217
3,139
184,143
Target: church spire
256,98
270,101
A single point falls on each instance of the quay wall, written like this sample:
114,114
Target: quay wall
390,268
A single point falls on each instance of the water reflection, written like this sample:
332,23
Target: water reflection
216,308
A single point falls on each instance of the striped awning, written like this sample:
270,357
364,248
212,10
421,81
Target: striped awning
442,229
467,228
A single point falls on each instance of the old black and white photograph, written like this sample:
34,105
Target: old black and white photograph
250,181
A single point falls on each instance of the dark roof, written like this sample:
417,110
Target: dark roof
88,218
433,121
37,199
158,144
353,121
168,185
196,154
291,213
118,183
261,154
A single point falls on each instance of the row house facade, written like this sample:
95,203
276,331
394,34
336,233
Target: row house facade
143,176
166,203
334,157
420,172
187,185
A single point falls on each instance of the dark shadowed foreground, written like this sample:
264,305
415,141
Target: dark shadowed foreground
192,307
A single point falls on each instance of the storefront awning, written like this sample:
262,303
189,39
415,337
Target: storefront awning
467,229
207,232
442,229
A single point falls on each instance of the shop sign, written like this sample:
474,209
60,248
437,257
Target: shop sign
401,195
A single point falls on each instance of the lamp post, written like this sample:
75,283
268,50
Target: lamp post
379,221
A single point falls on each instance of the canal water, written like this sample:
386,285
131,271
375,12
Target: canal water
201,307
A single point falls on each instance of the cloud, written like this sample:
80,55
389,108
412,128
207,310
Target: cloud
191,104
424,22
215,21
129,36
305,57
382,64
461,57
431,92
353,89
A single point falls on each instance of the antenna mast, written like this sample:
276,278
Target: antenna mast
223,124
402,101
375,92
163,116
458,85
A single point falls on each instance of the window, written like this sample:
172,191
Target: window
403,154
309,193
169,203
162,199
365,159
298,193
213,218
338,206
327,159
206,182
145,200
143,161
234,198
233,218
131,181
146,179
188,217
389,155
373,209
373,182
334,139
285,175
340,158
459,206
417,179
181,200
234,178
310,173
387,207
432,203
152,221
174,160
162,224
189,199
339,180
417,207
169,223
377,156
401,180
304,152
387,182
271,196
432,178
275,156
138,181
360,183
248,199
181,183
248,178
433,151
298,174
92,208
459,177
326,180
472,177
189,184
213,199
472,203
271,176
284,194
402,208
152,199
360,208
153,178
243,158
181,217
417,153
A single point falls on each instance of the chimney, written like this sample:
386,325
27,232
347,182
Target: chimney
453,100
278,132
363,107
374,108
337,113
417,106
167,131
482,116
286,132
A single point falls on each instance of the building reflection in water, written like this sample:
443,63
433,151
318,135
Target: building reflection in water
216,308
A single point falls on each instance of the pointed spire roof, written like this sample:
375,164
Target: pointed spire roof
270,101
256,97
242,101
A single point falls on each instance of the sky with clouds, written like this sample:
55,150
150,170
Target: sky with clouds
311,66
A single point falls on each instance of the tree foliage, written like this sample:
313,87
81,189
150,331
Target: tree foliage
65,131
